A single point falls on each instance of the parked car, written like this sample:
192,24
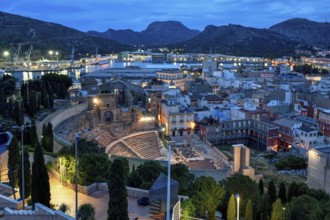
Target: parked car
143,201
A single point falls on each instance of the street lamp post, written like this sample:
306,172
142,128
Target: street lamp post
23,184
22,144
237,197
168,206
76,169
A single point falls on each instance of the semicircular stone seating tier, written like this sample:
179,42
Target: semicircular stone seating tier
145,145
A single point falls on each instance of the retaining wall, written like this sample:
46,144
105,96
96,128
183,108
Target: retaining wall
65,115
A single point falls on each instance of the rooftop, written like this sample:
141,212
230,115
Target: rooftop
307,129
286,122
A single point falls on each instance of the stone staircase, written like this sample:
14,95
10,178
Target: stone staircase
155,207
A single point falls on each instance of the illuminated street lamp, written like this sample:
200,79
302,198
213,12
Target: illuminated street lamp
237,198
51,53
56,53
6,54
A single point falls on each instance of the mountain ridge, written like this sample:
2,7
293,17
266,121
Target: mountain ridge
156,33
278,40
304,31
45,36
239,40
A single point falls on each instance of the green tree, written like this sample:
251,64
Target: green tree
33,134
231,211
293,191
207,195
277,211
51,97
18,111
272,192
188,209
27,176
13,161
304,207
245,187
145,174
40,179
32,104
86,212
261,186
44,98
319,195
180,173
2,100
263,208
118,206
49,138
64,208
86,168
282,193
224,205
126,168
44,136
248,210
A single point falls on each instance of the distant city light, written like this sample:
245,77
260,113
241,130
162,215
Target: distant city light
147,119
6,53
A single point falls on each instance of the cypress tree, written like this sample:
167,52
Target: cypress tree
261,186
6,111
40,179
44,98
231,211
2,100
272,192
117,208
248,210
38,101
50,92
33,134
49,137
44,136
32,103
11,109
293,191
27,176
13,161
277,211
24,95
282,193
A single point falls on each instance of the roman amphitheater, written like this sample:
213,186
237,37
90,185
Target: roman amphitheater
124,129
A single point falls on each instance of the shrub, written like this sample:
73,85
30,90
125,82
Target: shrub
291,162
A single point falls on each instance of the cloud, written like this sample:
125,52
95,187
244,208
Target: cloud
137,14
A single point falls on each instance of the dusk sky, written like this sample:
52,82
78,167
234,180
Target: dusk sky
100,15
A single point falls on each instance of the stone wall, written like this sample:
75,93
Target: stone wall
65,115
103,187
218,175
220,153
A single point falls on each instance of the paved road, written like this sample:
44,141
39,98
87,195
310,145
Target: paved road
61,194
